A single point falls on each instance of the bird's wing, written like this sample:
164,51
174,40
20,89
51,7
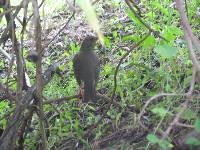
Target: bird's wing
76,66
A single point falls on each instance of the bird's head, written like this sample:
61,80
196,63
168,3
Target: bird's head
88,43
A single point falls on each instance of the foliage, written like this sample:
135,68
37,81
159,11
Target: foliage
155,66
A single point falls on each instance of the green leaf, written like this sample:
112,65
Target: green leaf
76,124
3,104
161,8
66,54
171,33
197,125
115,34
131,37
166,51
189,114
107,69
192,141
62,67
30,65
107,42
68,115
175,30
187,80
118,118
152,138
168,88
74,47
165,144
91,108
132,16
149,42
160,111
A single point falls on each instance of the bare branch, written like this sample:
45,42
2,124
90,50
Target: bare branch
185,23
39,79
147,26
10,131
151,100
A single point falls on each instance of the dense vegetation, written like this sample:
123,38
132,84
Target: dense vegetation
149,87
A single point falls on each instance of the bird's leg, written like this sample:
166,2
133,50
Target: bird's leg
80,94
81,91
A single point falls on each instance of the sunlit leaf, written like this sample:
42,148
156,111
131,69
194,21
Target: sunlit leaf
115,34
160,111
197,125
152,138
166,51
131,37
107,42
3,105
132,16
66,54
62,67
74,47
118,118
165,144
192,141
189,114
149,42
161,8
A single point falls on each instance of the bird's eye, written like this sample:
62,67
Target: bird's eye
94,38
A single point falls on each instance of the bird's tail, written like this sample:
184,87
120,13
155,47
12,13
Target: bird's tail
89,92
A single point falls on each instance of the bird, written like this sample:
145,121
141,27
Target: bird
86,65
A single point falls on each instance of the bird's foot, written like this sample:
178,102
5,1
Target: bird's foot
81,94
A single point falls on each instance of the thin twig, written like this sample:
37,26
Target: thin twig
156,33
67,22
184,125
39,79
151,100
60,100
186,25
184,106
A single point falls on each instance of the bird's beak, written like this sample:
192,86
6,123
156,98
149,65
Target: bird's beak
96,38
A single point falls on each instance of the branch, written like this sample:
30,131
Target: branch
10,59
67,98
60,29
185,23
8,92
9,22
26,100
184,106
156,33
39,79
60,100
151,100
176,119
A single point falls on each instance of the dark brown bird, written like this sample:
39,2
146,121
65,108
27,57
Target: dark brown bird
86,68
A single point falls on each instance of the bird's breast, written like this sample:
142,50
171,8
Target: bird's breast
87,66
